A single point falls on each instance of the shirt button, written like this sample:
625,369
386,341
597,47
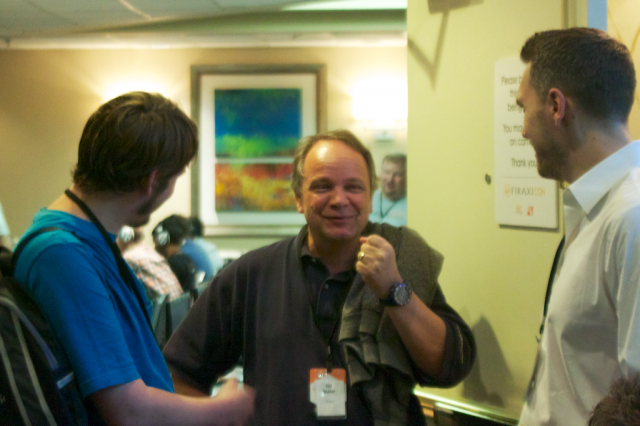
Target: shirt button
326,286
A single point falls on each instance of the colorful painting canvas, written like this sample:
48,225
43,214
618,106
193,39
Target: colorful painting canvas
254,188
250,120
260,123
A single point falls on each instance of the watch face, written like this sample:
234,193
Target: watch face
402,294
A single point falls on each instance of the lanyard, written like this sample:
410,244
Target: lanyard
314,310
329,357
125,273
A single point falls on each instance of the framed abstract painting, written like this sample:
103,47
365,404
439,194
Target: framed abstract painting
250,120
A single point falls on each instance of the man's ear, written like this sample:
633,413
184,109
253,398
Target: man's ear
149,182
557,104
299,205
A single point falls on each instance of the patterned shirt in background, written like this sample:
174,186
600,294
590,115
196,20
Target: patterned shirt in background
153,271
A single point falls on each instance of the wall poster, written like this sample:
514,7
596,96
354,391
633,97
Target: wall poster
522,197
250,120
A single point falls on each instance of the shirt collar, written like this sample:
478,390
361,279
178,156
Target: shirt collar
302,247
305,256
597,181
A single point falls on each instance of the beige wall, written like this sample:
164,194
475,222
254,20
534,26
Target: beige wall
495,276
47,96
624,25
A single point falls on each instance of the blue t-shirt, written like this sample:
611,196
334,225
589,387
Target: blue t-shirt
74,279
216,258
199,257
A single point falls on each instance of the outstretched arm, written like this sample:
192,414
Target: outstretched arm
136,404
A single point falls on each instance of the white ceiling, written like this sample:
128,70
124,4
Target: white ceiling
42,24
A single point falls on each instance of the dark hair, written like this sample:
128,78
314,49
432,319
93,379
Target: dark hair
397,158
343,136
196,228
621,407
176,226
129,137
587,65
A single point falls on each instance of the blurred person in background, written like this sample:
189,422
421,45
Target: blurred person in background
203,252
151,268
169,237
389,202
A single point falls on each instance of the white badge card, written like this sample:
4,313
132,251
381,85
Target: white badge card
328,391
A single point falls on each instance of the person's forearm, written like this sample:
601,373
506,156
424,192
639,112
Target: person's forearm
421,330
136,404
423,334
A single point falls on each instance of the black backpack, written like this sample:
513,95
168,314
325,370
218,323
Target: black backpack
37,385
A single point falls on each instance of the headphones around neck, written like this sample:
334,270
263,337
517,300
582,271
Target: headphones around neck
126,234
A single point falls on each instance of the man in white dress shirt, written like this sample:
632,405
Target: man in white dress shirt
577,92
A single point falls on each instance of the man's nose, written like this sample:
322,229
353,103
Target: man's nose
338,196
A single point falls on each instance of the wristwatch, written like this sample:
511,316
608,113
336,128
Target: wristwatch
399,295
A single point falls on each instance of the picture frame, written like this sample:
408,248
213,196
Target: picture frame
250,119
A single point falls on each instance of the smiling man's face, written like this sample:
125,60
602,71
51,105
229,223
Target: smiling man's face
336,194
551,153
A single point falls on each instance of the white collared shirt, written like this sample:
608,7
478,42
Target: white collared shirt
592,330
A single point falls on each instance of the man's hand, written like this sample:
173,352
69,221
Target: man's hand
239,401
422,331
377,264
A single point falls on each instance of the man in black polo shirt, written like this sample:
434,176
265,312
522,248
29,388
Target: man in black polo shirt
336,325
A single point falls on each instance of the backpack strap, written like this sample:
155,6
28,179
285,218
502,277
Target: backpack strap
42,383
25,241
